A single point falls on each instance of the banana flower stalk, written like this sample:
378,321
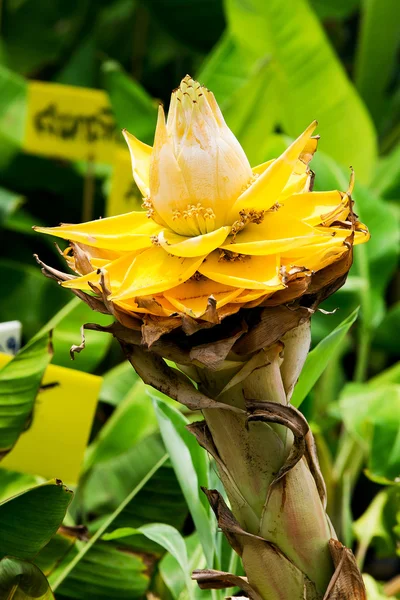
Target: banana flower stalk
220,273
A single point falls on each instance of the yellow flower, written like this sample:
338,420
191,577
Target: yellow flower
215,233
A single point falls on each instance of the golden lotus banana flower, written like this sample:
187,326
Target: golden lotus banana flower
216,235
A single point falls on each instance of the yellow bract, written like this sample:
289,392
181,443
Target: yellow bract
199,245
216,234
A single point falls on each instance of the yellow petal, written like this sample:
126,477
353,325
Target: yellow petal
317,256
360,236
192,297
114,274
306,155
340,213
154,305
187,247
316,207
140,157
259,169
252,272
264,192
248,296
99,263
154,271
297,184
277,233
300,178
93,252
128,232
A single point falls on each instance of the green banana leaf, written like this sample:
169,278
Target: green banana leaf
20,381
23,280
30,519
13,91
318,359
167,537
21,580
192,470
132,420
107,483
310,79
243,86
107,572
377,48
134,109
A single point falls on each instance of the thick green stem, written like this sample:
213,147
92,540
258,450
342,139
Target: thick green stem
288,513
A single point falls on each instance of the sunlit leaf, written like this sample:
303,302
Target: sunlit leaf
375,590
173,575
311,81
379,40
318,359
370,414
243,85
191,468
376,524
167,537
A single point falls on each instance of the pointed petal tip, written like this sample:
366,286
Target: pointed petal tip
40,229
129,137
312,126
161,127
351,182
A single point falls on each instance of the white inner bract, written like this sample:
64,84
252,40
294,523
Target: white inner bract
198,168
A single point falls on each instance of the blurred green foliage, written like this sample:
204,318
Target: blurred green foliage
274,67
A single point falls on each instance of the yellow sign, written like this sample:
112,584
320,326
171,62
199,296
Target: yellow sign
124,194
70,122
55,442
76,123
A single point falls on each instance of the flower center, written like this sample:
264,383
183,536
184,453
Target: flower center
249,215
197,218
